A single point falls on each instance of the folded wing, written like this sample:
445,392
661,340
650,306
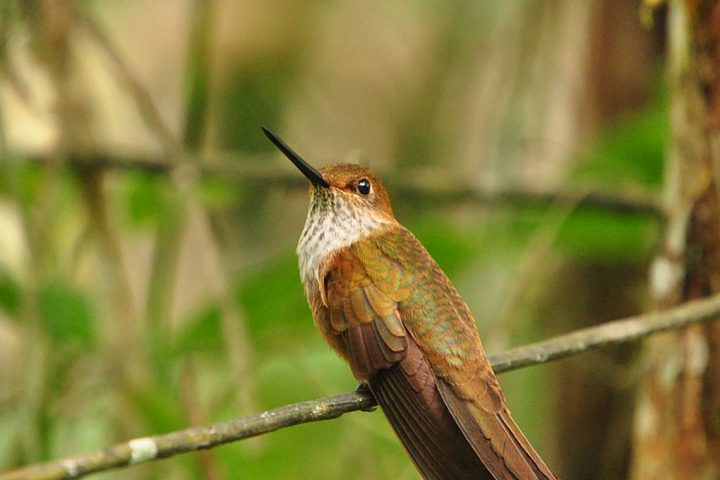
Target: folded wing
406,331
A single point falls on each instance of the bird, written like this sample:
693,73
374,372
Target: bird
386,307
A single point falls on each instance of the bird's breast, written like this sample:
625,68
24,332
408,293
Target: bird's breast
328,230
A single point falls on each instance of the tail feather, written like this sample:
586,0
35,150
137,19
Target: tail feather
420,452
497,440
414,408
532,458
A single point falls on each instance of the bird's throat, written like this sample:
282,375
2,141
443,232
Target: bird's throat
331,225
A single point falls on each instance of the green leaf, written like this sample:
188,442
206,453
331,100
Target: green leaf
273,298
451,247
606,235
631,151
146,198
160,409
253,93
9,294
29,179
219,192
203,331
66,315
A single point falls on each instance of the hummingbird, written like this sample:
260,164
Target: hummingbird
384,305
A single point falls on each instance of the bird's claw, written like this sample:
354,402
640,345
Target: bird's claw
364,390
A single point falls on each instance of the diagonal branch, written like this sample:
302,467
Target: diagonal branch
147,449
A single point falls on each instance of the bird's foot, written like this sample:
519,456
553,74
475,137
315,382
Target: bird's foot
364,390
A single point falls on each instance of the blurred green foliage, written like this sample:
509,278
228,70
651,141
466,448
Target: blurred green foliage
80,387
67,316
630,152
274,300
290,362
146,198
628,155
612,238
254,95
9,294
201,333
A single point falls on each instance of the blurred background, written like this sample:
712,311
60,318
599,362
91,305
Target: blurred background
148,280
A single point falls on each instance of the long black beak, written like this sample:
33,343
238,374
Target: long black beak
308,170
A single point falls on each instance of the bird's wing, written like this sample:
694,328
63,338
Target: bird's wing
365,318
440,323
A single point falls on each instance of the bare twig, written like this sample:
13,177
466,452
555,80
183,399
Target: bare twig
151,448
608,334
440,189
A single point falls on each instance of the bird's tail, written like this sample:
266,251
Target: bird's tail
497,440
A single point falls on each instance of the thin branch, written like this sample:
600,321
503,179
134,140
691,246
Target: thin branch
146,449
426,184
608,334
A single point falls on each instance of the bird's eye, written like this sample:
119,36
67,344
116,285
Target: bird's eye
363,186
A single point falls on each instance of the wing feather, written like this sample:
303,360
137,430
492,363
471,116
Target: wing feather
397,319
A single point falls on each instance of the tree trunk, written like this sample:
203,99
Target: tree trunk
677,423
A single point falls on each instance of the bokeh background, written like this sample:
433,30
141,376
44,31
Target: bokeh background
148,279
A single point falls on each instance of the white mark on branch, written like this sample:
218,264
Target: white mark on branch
142,450
71,467
211,433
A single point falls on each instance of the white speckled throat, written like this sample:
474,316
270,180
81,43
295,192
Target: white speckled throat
335,220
